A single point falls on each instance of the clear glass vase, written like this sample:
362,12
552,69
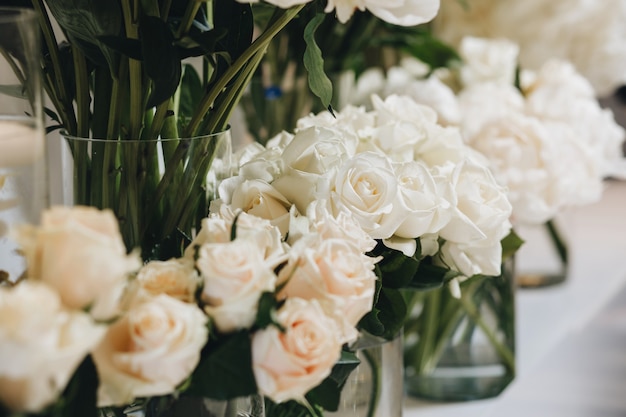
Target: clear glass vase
23,172
191,406
543,261
462,349
158,189
375,387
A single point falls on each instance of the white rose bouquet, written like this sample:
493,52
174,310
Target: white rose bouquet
246,310
434,211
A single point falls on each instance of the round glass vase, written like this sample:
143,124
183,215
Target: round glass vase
23,172
461,349
158,189
375,387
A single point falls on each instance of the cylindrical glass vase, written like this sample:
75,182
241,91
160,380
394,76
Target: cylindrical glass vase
23,173
158,189
543,261
375,387
191,406
460,349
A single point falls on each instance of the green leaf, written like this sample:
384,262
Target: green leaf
225,370
429,277
161,59
190,92
266,312
79,397
84,21
397,270
200,43
510,244
430,50
237,20
387,316
319,83
129,47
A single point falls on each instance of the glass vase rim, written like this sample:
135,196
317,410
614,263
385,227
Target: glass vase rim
66,135
10,14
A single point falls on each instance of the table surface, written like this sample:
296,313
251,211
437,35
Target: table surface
571,337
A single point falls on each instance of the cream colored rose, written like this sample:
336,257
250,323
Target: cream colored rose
218,228
332,270
235,275
262,200
175,277
288,365
41,345
79,251
366,186
153,348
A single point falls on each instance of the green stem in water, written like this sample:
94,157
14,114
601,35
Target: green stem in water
60,96
505,353
558,242
375,395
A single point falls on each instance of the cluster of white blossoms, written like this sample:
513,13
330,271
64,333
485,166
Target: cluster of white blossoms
394,170
397,12
589,34
548,140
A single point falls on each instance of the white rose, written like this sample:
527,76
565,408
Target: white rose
348,124
79,251
332,270
479,222
262,200
235,275
482,103
41,345
397,136
488,60
358,92
427,211
312,152
367,187
559,93
287,365
533,159
343,225
175,277
149,351
399,12
434,93
441,146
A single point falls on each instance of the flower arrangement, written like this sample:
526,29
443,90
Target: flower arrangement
532,128
433,207
138,72
222,321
